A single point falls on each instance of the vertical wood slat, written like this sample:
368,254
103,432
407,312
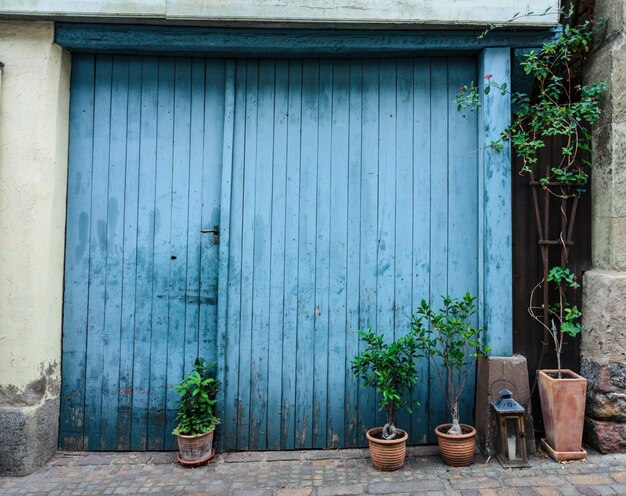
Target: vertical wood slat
438,225
115,214
276,335
421,235
292,236
129,277
338,260
97,268
72,418
352,390
369,226
495,221
145,256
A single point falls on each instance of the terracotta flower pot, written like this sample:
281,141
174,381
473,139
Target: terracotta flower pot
387,454
194,450
563,408
456,450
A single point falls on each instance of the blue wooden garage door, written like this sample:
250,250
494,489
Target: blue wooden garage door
351,193
354,195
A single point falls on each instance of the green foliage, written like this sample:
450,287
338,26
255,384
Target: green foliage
389,368
568,316
197,401
563,275
559,109
450,339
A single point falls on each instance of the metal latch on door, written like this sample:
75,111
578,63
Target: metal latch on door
216,234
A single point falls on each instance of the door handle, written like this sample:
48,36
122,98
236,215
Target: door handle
216,234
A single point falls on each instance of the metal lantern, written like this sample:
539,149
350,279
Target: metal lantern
511,433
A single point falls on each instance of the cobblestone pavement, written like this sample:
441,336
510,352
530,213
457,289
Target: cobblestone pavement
314,473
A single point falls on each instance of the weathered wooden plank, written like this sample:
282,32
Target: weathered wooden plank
353,436
385,264
438,218
403,198
129,267
97,277
369,226
114,254
231,252
215,148
286,42
193,285
463,203
277,331
322,248
75,304
145,256
338,331
306,260
211,147
292,240
177,257
259,380
220,194
247,262
496,282
421,177
162,253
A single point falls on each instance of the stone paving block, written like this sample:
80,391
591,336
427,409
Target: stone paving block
339,490
475,483
500,492
619,477
248,456
283,456
410,486
294,491
534,481
589,479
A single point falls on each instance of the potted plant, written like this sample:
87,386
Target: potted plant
196,420
564,108
452,343
562,392
390,369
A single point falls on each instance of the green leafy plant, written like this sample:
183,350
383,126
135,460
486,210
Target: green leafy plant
390,369
559,107
565,318
196,413
452,342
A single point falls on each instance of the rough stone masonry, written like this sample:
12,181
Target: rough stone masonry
603,347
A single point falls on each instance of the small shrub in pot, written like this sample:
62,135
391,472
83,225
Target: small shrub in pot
196,420
390,369
450,339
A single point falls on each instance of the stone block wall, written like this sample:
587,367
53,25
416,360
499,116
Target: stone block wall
603,345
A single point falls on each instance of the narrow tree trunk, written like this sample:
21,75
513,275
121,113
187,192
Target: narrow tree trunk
456,427
389,430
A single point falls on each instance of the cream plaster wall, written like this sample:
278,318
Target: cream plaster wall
34,106
444,12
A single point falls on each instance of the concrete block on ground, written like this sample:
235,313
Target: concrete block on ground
495,374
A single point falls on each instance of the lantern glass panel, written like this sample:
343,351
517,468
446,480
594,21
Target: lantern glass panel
513,449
